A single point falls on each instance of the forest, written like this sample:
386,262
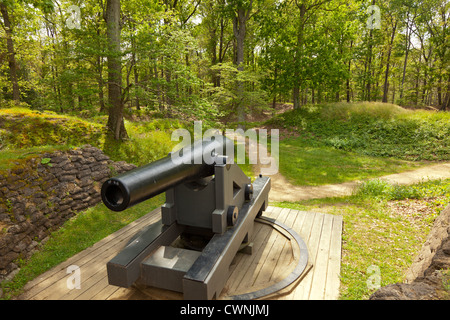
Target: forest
359,90
221,59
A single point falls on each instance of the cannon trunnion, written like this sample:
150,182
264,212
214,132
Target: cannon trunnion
208,217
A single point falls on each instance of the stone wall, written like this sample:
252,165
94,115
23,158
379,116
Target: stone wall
40,193
428,278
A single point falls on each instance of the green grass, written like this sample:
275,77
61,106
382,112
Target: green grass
342,142
148,141
375,235
8,158
303,162
77,234
372,129
26,128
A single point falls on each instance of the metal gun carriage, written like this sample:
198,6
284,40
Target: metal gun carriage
208,197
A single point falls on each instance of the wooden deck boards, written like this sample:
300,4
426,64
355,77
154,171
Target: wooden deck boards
274,256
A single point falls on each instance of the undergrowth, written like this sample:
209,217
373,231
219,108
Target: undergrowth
436,193
25,128
148,141
373,129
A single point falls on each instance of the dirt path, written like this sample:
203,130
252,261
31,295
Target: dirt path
283,190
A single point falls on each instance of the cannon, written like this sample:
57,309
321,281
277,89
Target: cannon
207,218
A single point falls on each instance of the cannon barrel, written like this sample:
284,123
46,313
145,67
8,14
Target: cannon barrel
140,184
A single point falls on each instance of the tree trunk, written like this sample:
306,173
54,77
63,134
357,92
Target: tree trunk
439,89
158,87
298,56
115,124
446,104
239,29
11,53
100,83
274,92
386,76
349,72
408,45
213,46
369,64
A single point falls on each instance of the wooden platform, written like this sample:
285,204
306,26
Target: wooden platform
274,257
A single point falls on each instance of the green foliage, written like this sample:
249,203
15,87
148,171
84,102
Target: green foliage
149,141
373,129
171,51
226,96
25,128
310,162
46,161
383,190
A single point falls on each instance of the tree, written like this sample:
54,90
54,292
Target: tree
11,53
393,24
241,15
306,9
180,56
115,123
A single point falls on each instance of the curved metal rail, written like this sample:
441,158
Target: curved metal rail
292,277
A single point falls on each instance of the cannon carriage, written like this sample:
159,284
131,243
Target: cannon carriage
210,209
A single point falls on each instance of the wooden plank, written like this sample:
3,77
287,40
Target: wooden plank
334,263
55,286
97,247
273,244
274,251
246,270
264,266
241,271
309,233
104,293
317,291
272,212
50,284
291,253
94,247
303,227
296,225
242,262
121,294
285,261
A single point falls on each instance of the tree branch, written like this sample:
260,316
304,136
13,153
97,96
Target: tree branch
193,11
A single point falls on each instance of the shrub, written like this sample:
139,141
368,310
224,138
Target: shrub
383,190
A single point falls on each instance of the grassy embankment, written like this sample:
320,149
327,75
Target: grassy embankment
345,142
